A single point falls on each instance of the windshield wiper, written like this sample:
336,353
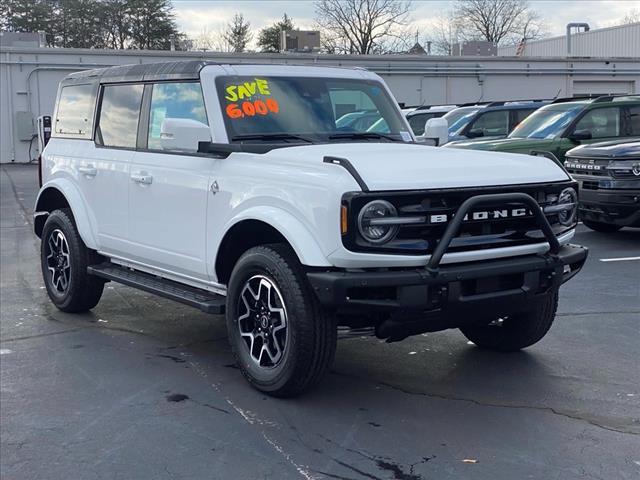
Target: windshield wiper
364,135
271,136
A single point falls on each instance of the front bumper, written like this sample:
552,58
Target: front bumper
493,284
617,207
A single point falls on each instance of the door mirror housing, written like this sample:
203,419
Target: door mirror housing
436,130
475,133
183,134
579,135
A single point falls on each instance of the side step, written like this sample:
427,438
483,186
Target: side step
204,300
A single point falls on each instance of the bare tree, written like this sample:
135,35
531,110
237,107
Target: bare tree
361,26
498,21
238,33
632,16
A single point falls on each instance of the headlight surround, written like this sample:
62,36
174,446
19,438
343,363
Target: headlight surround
372,233
569,199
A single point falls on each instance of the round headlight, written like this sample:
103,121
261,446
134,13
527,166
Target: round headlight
568,197
373,231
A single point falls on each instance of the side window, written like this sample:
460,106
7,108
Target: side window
521,114
601,122
634,120
119,114
175,101
491,123
416,122
74,117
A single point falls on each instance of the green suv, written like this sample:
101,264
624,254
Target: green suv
566,123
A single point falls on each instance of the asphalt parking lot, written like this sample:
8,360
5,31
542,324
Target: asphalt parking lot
145,388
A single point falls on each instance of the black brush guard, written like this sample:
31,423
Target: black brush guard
438,296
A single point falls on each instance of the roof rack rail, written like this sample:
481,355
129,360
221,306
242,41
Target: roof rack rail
524,100
609,98
473,104
573,99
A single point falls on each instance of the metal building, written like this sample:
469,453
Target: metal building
29,79
619,41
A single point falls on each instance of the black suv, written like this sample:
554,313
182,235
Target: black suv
609,178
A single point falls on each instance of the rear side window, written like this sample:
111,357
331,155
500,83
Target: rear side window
521,114
74,117
491,124
119,114
634,120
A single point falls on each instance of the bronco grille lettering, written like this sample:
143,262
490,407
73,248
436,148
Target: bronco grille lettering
482,215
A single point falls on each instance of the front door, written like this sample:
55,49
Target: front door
169,186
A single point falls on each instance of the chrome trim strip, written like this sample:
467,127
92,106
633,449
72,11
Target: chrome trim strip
397,220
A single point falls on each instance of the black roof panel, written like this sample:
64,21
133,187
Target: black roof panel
189,70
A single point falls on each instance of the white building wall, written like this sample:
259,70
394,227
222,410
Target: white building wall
619,41
29,78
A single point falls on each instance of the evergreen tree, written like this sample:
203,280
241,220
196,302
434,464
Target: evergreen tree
270,37
238,33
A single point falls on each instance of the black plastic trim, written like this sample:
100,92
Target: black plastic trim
348,166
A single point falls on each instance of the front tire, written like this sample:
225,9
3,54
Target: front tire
64,259
518,331
282,339
601,227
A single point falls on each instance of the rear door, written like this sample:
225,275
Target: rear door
105,173
169,185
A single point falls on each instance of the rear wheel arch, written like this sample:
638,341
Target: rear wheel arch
49,199
64,195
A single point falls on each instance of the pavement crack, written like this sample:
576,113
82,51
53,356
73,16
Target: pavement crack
552,410
40,335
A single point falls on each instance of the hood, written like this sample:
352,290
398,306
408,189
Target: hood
506,144
398,166
628,149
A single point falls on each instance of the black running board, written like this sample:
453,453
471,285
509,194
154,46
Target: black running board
204,300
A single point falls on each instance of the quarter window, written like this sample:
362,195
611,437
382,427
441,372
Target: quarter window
634,120
173,101
601,122
74,116
119,114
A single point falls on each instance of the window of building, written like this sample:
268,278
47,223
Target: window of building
119,114
74,116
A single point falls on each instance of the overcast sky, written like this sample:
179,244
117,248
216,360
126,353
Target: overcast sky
195,16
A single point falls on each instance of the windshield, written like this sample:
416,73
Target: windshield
547,122
458,118
291,109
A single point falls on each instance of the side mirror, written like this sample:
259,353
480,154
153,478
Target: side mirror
436,130
579,135
183,134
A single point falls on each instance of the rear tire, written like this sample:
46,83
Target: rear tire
518,331
64,259
601,227
282,339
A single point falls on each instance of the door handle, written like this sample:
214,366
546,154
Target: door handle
142,178
88,170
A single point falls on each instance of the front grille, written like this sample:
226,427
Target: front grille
500,230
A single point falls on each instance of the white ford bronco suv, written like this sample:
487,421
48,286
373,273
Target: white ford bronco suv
230,188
